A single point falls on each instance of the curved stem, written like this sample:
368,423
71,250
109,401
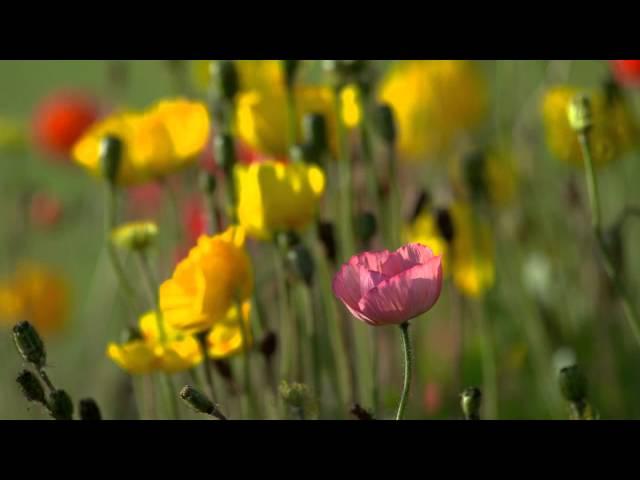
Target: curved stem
594,202
408,359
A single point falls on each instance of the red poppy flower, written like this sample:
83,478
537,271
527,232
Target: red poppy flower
61,119
195,219
45,211
626,72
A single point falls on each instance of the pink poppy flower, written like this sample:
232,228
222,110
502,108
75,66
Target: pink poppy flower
385,288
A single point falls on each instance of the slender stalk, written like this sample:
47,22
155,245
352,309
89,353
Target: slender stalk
206,363
246,365
313,337
45,378
175,212
489,369
594,202
292,116
284,314
408,360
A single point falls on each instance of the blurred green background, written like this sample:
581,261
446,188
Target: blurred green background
528,339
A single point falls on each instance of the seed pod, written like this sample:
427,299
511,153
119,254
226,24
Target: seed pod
29,344
89,409
31,387
196,400
60,405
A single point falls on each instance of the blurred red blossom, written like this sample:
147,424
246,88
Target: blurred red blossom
145,200
61,118
626,72
432,398
45,210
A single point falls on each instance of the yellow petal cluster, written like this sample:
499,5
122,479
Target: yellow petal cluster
613,134
274,196
434,101
471,259
157,142
38,294
205,286
176,353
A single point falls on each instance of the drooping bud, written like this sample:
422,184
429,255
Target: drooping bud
579,113
385,123
225,151
299,400
89,409
131,334
60,405
224,369
365,226
135,236
445,224
470,401
269,344
31,387
225,77
326,234
196,400
29,344
110,153
314,131
360,413
573,384
301,263
422,202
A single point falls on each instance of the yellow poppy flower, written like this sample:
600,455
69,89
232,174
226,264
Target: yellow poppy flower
157,142
37,294
207,284
470,260
13,135
433,102
261,116
177,353
351,111
225,337
274,196
135,235
614,131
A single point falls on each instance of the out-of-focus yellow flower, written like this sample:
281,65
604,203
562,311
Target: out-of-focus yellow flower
261,116
471,258
176,353
351,111
207,284
135,235
614,131
274,196
253,74
225,337
157,142
13,136
433,102
37,294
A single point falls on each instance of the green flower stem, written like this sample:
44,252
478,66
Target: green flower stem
206,363
408,361
284,314
489,369
152,291
373,188
175,212
212,213
292,116
394,201
594,202
312,329
246,362
109,225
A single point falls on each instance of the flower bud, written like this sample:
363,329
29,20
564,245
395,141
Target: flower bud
89,409
207,182
224,369
422,202
365,226
225,151
29,344
197,400
573,384
360,413
136,236
470,401
31,387
60,405
225,78
314,130
385,123
269,344
445,224
579,113
290,68
131,334
301,263
111,150
474,167
299,400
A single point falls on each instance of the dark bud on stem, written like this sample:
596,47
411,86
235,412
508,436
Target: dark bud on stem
314,130
60,405
474,174
422,203
326,234
269,344
301,263
613,244
31,387
470,401
360,413
573,384
445,224
197,400
89,409
225,151
385,123
223,369
225,78
130,334
207,182
110,154
29,344
290,69
287,240
365,226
